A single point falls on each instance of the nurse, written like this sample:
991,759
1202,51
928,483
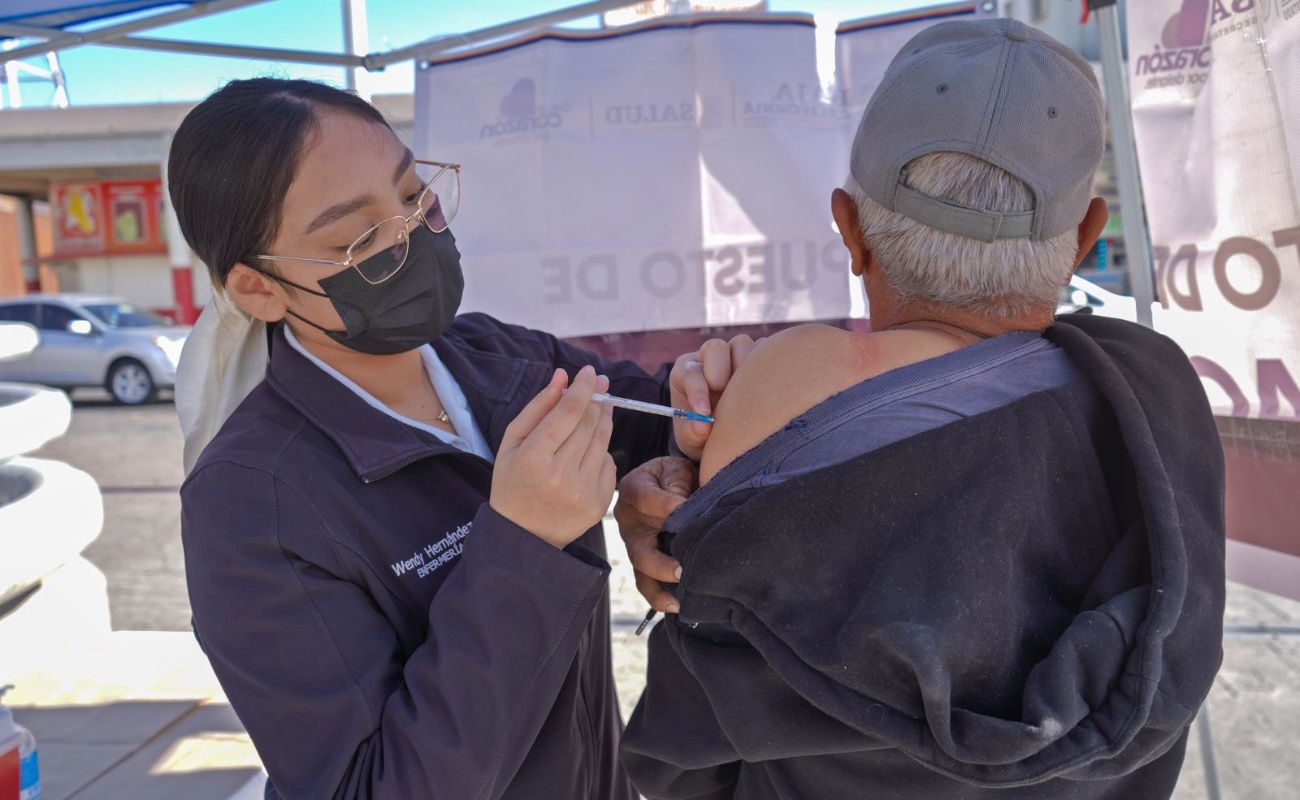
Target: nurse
391,524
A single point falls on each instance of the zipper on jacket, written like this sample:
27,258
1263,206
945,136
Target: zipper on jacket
479,461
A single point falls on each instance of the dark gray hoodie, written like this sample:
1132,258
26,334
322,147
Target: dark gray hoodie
1026,603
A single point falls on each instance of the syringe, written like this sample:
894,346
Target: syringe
650,408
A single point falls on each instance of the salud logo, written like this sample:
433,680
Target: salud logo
521,101
519,112
1182,56
1187,28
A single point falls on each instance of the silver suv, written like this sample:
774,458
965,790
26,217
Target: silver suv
90,340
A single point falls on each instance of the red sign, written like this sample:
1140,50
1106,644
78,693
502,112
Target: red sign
9,774
105,218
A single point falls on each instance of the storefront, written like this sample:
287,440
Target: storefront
83,206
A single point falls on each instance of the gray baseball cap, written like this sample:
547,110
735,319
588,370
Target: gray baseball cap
998,90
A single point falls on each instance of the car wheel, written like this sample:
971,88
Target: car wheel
130,383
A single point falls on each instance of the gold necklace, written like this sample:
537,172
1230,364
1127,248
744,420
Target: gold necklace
441,416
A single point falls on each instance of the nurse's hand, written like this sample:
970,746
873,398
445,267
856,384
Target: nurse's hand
554,476
696,382
646,496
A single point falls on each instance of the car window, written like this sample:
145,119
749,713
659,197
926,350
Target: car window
56,318
18,312
125,315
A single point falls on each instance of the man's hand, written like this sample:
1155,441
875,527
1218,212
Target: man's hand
646,496
696,382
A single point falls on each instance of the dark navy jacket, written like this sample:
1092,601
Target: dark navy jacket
379,630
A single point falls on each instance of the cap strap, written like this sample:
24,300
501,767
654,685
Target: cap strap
987,226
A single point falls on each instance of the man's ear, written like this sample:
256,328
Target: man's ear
1090,229
845,213
255,294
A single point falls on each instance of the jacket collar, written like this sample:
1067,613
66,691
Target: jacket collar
375,444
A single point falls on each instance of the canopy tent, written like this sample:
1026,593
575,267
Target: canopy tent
35,28
54,14
56,22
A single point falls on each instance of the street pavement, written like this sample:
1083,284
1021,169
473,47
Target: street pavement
135,455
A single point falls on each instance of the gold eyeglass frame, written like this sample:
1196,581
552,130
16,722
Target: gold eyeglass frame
351,262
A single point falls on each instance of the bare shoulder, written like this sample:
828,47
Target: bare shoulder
784,376
798,368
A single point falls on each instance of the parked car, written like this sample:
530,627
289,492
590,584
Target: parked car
1084,295
91,340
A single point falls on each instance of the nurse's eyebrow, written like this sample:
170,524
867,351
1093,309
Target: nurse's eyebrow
407,158
340,210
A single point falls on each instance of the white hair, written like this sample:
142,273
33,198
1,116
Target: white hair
1004,278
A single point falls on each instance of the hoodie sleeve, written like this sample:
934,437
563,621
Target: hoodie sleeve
336,702
674,748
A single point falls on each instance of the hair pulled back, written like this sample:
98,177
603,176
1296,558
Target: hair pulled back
234,157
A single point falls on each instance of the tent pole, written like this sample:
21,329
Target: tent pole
439,44
67,41
1115,77
356,37
339,59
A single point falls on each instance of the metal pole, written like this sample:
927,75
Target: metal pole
1115,79
9,74
236,51
349,45
178,251
1261,632
27,243
60,82
1206,740
70,40
27,31
440,44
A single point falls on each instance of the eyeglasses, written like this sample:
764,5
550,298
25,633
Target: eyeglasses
436,203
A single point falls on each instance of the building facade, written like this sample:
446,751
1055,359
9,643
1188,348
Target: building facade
83,207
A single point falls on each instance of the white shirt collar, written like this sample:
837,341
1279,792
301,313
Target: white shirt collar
468,437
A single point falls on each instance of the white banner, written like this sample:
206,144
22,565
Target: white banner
1216,108
864,48
670,175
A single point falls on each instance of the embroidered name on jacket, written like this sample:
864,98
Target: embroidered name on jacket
435,554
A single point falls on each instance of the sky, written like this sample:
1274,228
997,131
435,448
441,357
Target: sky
100,75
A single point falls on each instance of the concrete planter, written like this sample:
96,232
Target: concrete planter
49,512
17,339
30,416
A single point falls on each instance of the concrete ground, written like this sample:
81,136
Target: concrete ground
134,453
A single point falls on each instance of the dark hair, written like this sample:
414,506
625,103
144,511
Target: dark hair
234,157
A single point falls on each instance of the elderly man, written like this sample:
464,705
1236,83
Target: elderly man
975,553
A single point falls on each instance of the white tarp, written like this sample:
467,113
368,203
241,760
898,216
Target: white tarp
675,174
864,48
668,177
1216,109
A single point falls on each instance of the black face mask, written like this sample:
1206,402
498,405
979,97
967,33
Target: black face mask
405,312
